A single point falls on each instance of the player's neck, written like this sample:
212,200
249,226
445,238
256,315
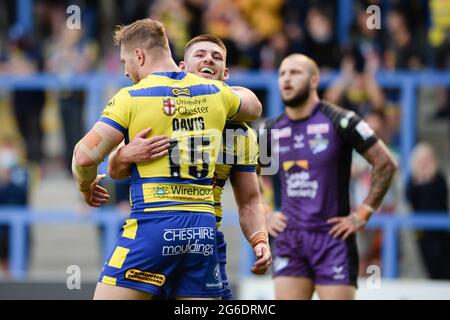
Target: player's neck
303,110
163,64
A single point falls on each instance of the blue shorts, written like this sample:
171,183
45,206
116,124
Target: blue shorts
167,252
222,250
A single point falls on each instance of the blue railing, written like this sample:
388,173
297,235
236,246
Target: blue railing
96,84
19,218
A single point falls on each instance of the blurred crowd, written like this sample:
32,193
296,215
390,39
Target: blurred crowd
414,35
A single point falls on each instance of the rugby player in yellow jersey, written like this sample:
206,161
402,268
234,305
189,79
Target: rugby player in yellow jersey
205,55
168,244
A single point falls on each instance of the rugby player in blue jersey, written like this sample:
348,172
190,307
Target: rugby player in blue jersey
315,244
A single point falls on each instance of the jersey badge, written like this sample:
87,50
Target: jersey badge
318,144
169,108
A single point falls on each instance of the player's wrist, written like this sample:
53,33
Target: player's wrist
122,155
364,212
259,237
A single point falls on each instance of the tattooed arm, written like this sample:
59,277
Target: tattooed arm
383,170
384,167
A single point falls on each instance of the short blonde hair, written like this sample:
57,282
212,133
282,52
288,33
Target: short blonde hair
148,33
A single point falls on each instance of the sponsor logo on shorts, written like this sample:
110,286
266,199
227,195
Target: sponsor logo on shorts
156,279
188,240
217,277
280,263
217,272
338,275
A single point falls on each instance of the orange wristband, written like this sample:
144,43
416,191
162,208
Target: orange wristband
259,237
367,211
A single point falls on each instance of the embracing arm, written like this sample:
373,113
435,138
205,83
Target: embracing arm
118,166
251,107
140,149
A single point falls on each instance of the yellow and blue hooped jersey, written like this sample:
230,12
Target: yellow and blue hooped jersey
240,152
190,110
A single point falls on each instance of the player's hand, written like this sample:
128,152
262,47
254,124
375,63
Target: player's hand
142,149
97,195
345,226
262,253
276,223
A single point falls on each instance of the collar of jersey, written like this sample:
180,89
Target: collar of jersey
172,75
313,111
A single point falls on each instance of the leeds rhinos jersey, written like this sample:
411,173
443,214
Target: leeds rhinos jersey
315,156
239,152
190,110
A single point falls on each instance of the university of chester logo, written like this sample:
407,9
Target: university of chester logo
181,92
169,108
160,191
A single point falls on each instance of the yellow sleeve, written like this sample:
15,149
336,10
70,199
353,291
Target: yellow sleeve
231,99
117,111
253,148
247,153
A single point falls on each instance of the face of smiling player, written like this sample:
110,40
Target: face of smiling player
207,60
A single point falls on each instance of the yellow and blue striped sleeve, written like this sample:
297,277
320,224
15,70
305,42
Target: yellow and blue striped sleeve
231,99
117,111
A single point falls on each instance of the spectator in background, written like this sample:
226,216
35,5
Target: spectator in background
176,17
225,19
25,58
274,51
367,42
439,40
356,87
320,41
401,52
14,191
427,192
68,55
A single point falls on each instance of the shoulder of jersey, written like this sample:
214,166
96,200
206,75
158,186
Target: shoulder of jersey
270,122
333,111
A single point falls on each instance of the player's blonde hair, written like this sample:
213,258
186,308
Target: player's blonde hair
205,38
146,33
